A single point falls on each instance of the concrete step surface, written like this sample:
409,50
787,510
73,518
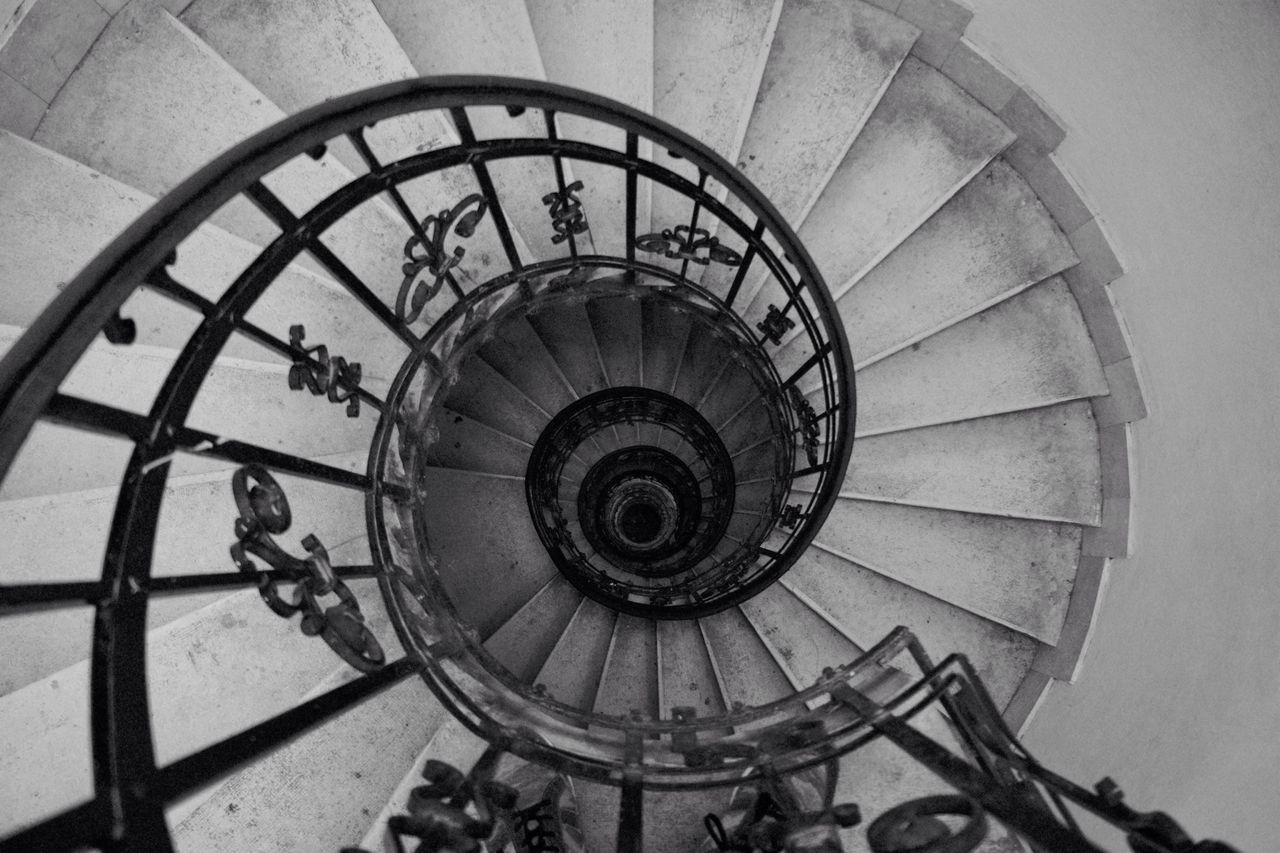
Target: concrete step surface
573,669
524,641
629,681
1012,571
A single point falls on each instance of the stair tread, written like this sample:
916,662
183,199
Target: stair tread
829,64
573,670
749,673
1040,463
615,323
1012,571
470,445
484,395
518,354
804,641
489,37
597,47
991,239
630,678
708,60
686,677
488,554
524,640
178,121
561,328
301,53
869,605
924,142
1028,351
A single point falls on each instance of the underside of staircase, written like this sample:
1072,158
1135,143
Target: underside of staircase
988,483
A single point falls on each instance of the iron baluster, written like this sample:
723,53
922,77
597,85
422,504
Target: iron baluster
425,250
775,325
567,215
324,375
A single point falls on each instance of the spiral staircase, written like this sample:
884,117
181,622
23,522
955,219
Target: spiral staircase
604,429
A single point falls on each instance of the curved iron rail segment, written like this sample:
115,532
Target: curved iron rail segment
438,311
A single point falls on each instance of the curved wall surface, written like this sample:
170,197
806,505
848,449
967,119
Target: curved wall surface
1173,131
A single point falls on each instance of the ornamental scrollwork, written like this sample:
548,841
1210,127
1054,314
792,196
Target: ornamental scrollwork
686,244
431,256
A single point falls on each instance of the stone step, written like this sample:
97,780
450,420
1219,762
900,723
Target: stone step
320,790
203,687
686,677
150,131
748,672
525,640
1029,351
300,53
241,400
600,47
1012,571
469,445
488,554
573,670
484,395
868,605
192,537
208,262
665,335
616,326
708,59
926,139
800,640
1039,463
490,37
564,330
518,354
992,240
630,678
452,743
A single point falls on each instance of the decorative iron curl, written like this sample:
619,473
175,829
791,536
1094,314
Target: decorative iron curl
432,257
264,512
684,244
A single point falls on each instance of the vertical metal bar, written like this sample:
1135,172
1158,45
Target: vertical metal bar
550,116
757,233
633,149
693,219
631,814
468,136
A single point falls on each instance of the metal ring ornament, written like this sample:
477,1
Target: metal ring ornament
913,826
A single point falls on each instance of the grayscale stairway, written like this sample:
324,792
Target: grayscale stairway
596,447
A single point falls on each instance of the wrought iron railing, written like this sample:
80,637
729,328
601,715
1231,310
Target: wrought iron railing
434,308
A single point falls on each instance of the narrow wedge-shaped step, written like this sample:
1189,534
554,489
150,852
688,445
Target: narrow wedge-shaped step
518,354
208,262
490,37
629,682
802,641
469,445
990,241
523,643
602,47
1039,463
318,792
868,606
192,537
687,678
615,323
565,331
453,744
482,394
301,53
708,60
664,335
573,669
924,142
1029,351
829,65
1015,572
750,674
152,130
489,570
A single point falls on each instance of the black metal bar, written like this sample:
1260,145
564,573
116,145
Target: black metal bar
219,580
558,164
468,137
88,414
631,814
397,198
24,597
808,364
1008,804
275,209
187,774
85,825
805,472
693,218
633,151
757,233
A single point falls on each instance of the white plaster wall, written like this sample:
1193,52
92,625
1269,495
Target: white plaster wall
1173,115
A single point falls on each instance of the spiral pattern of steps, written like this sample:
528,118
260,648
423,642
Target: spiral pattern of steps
988,483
